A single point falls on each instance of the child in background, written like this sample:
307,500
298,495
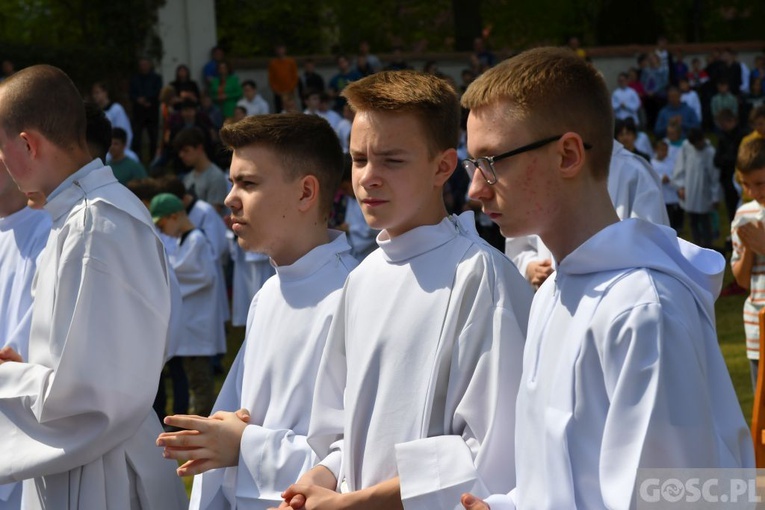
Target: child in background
664,166
698,185
194,265
748,236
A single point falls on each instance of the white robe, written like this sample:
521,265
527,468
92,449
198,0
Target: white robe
203,328
76,421
273,377
22,237
626,103
622,371
422,366
206,218
696,172
635,190
251,270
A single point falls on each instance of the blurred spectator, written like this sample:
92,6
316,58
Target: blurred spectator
210,70
282,75
252,102
145,86
372,60
113,110
185,87
345,75
226,89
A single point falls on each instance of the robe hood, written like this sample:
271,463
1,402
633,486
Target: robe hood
616,248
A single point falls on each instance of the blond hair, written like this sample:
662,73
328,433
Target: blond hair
751,156
552,91
431,99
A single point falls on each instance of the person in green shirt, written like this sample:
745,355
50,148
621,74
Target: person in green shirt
125,169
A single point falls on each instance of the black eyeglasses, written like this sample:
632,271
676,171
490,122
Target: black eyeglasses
485,165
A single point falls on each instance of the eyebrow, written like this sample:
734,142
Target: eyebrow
241,176
388,152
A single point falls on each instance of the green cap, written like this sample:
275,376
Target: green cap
165,204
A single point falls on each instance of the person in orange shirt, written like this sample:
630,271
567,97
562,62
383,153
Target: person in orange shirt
282,75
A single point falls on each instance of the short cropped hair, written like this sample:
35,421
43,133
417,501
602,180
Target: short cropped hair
98,130
250,83
431,99
171,184
306,145
552,91
145,189
627,124
43,98
189,137
751,156
119,134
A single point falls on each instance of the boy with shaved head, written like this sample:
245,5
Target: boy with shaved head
621,370
76,421
421,369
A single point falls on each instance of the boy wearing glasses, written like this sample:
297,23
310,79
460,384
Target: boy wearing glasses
635,191
421,368
622,370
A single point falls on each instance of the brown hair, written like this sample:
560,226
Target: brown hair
43,98
189,137
757,113
306,145
552,91
145,189
431,99
751,156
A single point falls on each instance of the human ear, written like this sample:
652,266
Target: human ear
32,141
309,192
447,163
571,154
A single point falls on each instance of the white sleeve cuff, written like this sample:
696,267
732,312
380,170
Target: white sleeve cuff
434,472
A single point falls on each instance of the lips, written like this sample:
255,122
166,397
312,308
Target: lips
371,202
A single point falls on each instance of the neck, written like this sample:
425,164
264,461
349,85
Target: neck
12,201
308,238
63,164
583,214
202,165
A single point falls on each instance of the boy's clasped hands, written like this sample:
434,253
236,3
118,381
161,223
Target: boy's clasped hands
204,443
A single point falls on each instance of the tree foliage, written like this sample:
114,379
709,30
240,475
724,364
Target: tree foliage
90,40
330,26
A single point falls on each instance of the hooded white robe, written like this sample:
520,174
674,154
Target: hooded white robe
273,377
196,268
622,371
422,365
23,235
76,420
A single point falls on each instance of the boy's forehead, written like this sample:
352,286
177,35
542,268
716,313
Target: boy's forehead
754,176
387,130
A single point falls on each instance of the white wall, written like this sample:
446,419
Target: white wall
188,32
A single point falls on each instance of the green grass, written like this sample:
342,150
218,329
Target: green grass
730,331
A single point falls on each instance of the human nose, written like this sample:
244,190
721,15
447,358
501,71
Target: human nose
232,200
479,189
367,175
